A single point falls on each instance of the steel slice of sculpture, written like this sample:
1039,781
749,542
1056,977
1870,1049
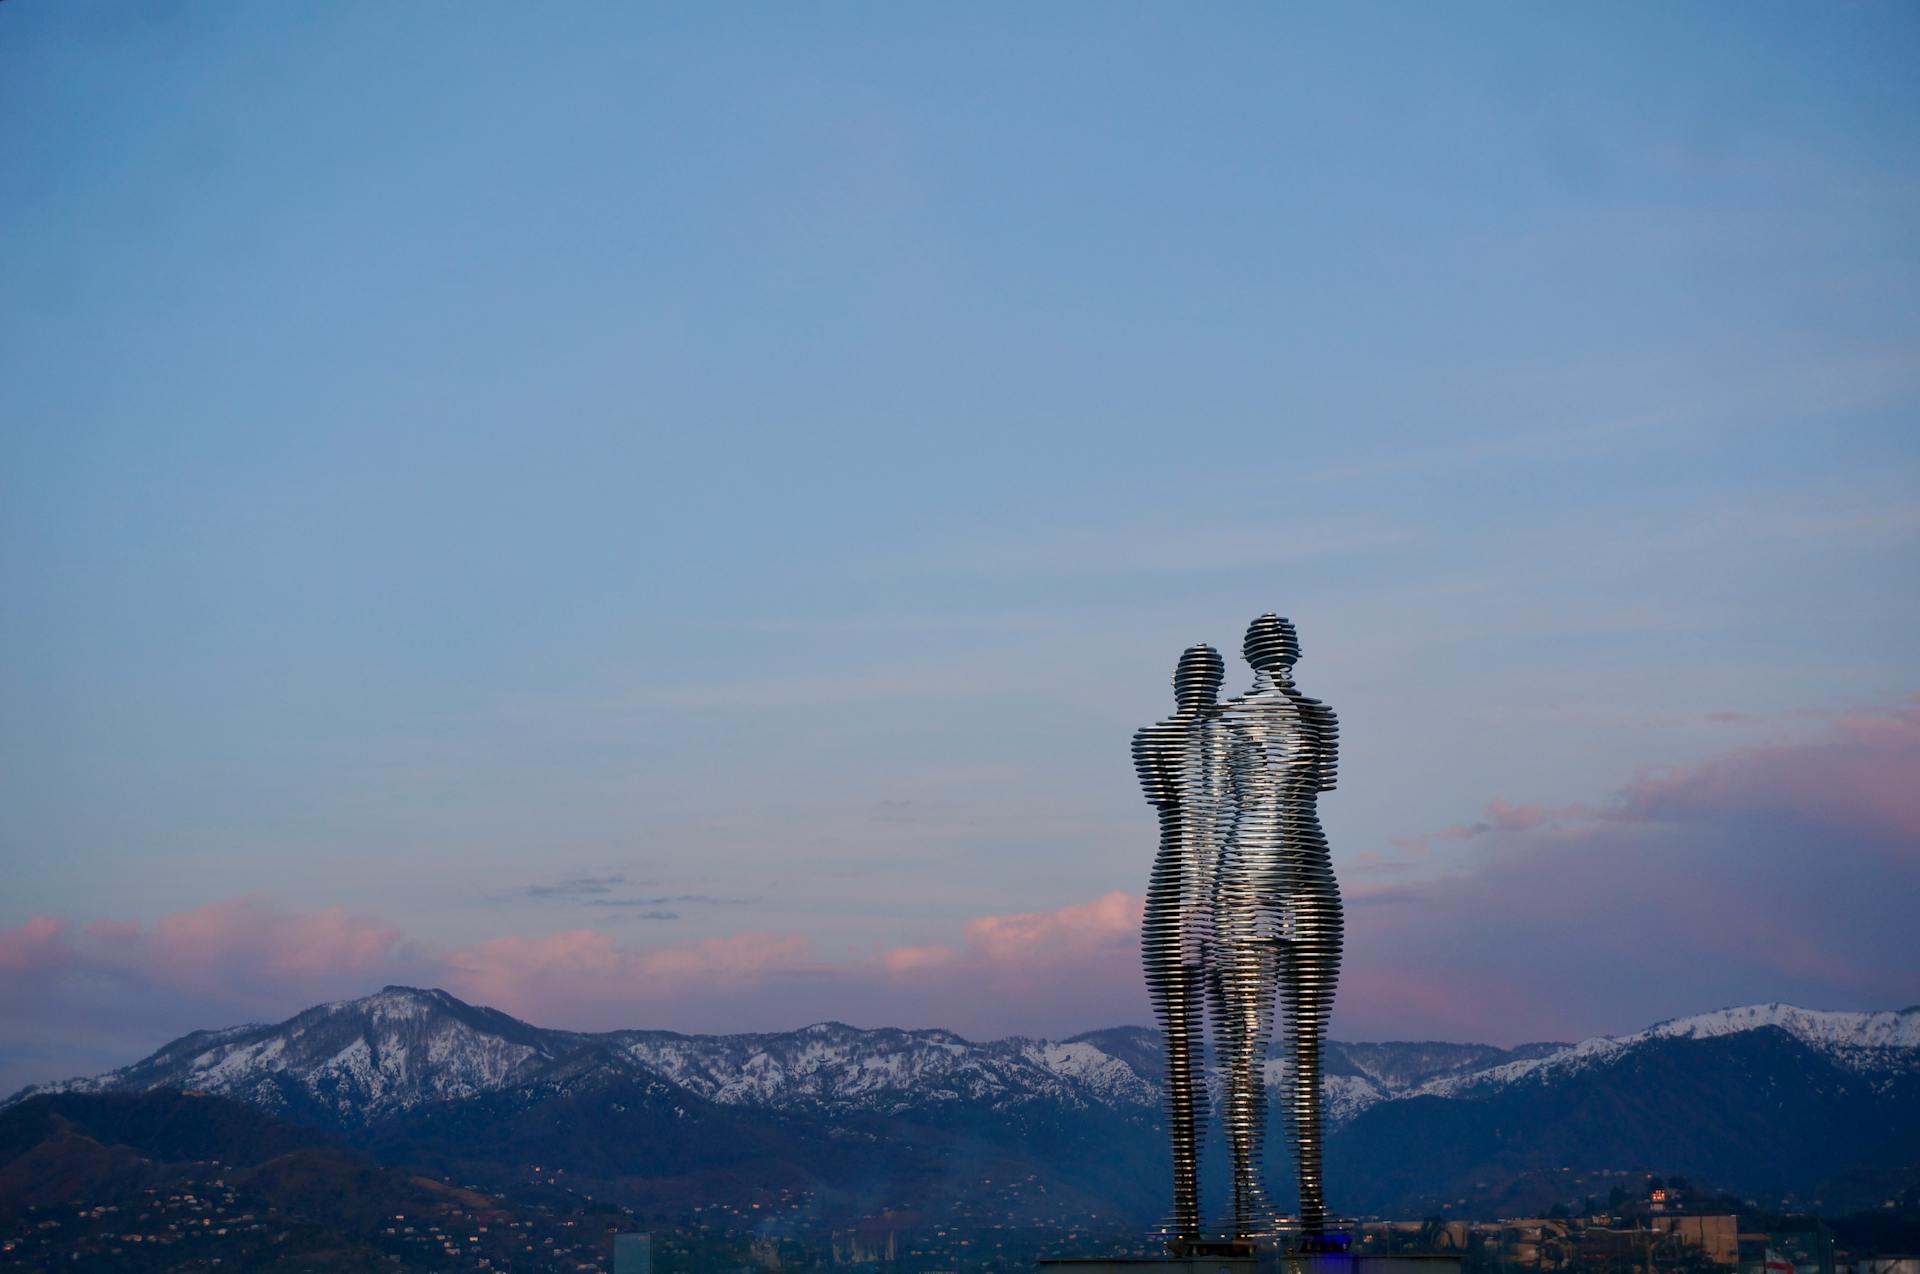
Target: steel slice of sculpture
1242,911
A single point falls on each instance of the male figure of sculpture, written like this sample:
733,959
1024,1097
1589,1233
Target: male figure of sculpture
1182,766
1277,920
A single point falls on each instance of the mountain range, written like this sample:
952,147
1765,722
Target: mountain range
832,1123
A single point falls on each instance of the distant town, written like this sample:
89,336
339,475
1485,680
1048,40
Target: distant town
207,1221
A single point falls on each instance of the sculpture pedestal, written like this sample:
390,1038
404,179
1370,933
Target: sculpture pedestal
1189,1264
1272,1260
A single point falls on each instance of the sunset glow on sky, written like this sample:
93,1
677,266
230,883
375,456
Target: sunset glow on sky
671,517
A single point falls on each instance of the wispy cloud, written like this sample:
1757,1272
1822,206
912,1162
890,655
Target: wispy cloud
573,889
662,900
610,891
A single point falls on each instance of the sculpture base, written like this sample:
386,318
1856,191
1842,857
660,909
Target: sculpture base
1191,1263
1212,1248
1240,1258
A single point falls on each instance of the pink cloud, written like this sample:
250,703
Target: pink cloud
1863,775
112,990
242,951
224,946
1077,930
1073,967
38,944
1052,972
585,976
1778,872
904,960
1023,970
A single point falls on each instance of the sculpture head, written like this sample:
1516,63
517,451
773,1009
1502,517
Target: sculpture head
1272,645
1197,677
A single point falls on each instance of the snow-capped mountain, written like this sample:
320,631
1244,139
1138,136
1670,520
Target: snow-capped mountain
1769,1102
362,1061
352,1061
1358,1076
1769,1099
1887,1042
830,1067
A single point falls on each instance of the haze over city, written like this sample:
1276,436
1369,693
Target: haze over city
667,518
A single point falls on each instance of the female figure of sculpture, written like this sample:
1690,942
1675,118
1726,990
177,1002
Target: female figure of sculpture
1182,767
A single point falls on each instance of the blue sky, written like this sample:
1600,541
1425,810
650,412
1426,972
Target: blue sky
774,455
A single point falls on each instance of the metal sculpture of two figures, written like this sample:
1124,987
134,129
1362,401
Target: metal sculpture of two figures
1242,912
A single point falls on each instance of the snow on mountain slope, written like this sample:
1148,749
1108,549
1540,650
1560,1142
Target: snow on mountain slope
1855,1037
360,1061
1886,1040
1344,1096
354,1060
1392,1068
835,1067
